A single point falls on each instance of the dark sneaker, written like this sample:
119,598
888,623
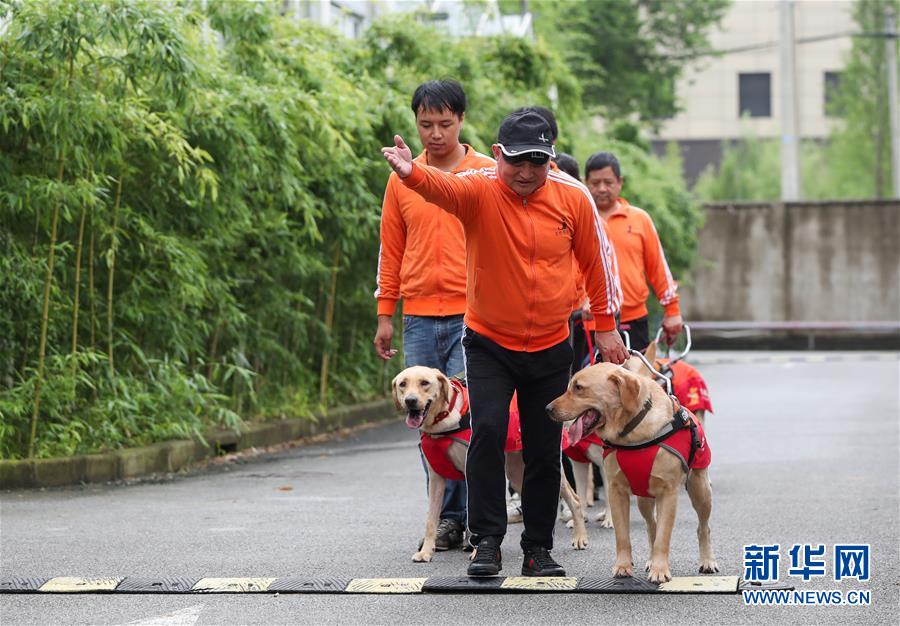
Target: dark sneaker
487,561
449,535
538,562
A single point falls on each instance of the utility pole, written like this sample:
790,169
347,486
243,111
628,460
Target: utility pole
790,142
890,50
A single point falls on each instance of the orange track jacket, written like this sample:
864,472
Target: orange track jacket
422,258
641,260
520,262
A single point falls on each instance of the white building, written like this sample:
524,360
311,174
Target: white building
738,94
456,17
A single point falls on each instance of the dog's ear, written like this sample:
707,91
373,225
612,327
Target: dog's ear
444,382
629,390
651,353
394,393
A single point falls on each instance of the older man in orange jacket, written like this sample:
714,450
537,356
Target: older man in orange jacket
525,228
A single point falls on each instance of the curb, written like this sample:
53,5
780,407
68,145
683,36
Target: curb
173,456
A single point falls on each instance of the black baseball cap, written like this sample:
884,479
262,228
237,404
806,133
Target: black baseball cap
525,132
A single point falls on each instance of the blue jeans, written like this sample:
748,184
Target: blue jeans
436,342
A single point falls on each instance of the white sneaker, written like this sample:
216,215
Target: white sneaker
514,510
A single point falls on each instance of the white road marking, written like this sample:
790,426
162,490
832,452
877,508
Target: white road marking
181,617
311,498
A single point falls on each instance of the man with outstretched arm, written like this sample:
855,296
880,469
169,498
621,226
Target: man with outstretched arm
525,227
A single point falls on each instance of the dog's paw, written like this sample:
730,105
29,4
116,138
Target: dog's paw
423,557
570,523
647,565
709,567
659,573
580,543
623,570
604,518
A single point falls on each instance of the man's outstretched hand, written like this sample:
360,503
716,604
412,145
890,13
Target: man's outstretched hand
399,157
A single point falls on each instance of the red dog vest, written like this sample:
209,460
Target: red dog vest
689,387
637,464
435,447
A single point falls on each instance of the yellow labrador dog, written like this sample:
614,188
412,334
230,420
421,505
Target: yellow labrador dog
656,448
590,449
436,408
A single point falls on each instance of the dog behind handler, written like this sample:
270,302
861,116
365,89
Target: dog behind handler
522,224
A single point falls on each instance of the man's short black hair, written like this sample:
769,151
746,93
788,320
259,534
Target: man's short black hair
568,164
437,95
601,160
548,116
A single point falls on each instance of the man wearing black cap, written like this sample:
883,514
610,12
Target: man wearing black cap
525,226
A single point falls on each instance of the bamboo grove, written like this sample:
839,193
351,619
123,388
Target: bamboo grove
189,208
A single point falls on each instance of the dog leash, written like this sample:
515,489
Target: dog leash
590,343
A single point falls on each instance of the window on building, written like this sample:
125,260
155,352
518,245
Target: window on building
832,89
755,94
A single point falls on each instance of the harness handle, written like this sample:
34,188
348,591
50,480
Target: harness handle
683,353
653,370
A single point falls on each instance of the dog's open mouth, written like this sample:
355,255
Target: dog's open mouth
584,424
415,417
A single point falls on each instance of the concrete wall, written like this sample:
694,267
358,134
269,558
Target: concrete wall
801,261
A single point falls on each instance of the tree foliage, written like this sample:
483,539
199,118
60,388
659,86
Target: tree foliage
190,213
628,54
859,150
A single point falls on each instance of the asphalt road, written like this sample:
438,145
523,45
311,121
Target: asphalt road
803,452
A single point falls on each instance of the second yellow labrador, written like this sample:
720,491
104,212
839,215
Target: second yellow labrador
427,396
629,411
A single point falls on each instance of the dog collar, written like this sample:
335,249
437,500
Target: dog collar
680,419
457,392
637,419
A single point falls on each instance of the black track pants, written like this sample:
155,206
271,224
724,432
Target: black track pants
492,374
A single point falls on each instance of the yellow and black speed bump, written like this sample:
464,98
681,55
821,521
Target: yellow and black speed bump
463,584
310,585
233,585
73,584
539,583
595,584
701,584
136,584
386,585
435,584
22,585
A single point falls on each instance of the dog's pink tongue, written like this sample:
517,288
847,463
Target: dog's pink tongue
414,422
576,431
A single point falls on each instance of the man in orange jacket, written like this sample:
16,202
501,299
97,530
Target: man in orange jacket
639,253
525,229
422,261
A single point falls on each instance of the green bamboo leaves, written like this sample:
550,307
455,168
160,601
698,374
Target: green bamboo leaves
189,208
